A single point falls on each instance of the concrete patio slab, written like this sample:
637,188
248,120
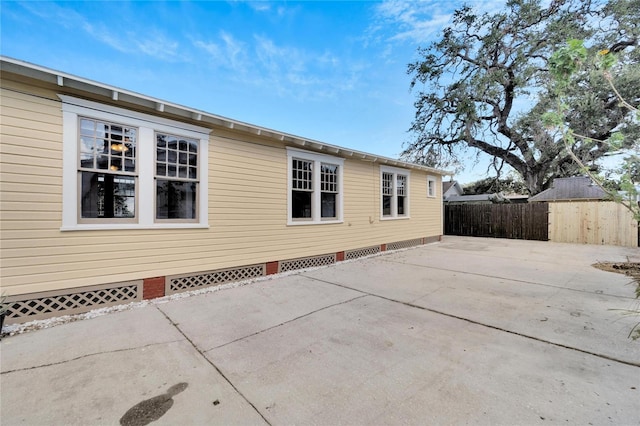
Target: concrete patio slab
507,333
111,333
554,266
216,319
373,361
581,309
100,389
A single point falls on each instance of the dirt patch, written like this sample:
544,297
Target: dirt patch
630,269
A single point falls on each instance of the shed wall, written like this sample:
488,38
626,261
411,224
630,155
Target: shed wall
592,222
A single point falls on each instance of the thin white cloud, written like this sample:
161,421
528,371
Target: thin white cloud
235,51
418,22
260,6
226,52
289,71
270,8
401,20
117,35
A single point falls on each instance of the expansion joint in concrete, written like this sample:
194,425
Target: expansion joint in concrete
507,279
411,305
215,367
287,322
88,356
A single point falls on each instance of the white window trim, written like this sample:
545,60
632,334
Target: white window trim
147,125
394,199
316,218
435,189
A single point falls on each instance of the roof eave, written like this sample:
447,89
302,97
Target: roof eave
116,94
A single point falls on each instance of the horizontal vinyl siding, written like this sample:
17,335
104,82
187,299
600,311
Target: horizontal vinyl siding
258,225
247,210
30,183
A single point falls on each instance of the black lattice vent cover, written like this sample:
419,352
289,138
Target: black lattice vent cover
365,251
177,284
35,306
404,244
306,262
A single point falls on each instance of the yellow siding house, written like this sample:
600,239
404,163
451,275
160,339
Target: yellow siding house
109,196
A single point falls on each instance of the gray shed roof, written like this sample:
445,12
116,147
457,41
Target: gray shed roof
572,188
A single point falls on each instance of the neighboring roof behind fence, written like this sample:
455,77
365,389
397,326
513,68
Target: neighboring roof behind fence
572,188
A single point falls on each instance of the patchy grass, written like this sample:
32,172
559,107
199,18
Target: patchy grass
630,269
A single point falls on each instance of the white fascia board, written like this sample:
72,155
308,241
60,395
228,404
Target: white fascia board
397,170
83,104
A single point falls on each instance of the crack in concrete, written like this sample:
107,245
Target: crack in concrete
431,293
285,322
89,355
215,367
411,305
509,279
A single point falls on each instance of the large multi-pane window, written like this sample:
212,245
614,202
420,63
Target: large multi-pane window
176,177
124,169
315,182
394,188
107,170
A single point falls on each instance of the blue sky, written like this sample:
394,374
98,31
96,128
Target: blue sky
331,71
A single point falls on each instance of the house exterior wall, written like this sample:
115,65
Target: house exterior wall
247,209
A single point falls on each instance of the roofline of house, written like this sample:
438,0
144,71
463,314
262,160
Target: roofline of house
116,94
560,200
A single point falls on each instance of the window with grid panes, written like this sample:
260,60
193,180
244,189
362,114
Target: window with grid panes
315,194
394,188
302,189
111,169
387,193
107,167
176,177
329,190
401,192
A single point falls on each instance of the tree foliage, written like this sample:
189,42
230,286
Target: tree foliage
567,66
485,85
493,185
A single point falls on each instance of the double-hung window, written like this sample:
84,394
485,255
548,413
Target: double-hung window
124,169
394,197
107,169
176,177
315,188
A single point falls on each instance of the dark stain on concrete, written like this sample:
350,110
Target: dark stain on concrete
151,409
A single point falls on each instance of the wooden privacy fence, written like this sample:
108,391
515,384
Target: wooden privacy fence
581,222
592,222
516,221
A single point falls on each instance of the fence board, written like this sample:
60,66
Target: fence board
515,221
592,222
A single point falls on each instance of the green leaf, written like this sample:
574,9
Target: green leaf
552,119
616,141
